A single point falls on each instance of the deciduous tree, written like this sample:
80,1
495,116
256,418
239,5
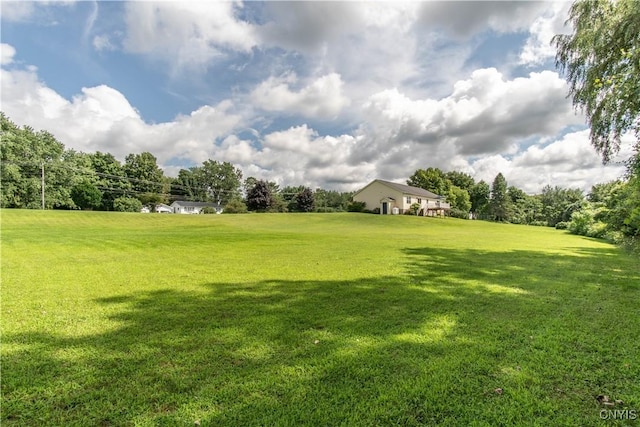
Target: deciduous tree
143,172
305,202
460,179
86,196
480,196
259,197
431,179
221,179
601,59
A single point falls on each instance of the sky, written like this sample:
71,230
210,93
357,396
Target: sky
323,94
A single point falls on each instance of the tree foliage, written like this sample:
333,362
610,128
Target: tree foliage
86,196
461,180
25,155
127,204
221,179
110,178
259,197
305,201
480,196
143,171
430,179
188,186
235,206
559,204
601,60
331,200
500,203
459,199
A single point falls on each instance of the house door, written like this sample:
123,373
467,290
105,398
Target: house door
385,208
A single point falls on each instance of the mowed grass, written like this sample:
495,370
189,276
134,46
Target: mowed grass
312,319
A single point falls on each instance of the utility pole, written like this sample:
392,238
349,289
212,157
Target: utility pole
42,175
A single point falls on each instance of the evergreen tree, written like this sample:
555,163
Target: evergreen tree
500,203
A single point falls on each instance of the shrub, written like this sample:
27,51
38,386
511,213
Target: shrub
580,221
458,213
414,208
127,204
208,210
86,196
562,225
356,207
235,206
597,229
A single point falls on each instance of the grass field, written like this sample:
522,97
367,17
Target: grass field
312,319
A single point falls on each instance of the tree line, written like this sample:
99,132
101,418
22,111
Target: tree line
38,172
33,161
610,210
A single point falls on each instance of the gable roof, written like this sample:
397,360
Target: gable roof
406,189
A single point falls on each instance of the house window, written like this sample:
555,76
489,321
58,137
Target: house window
419,200
409,199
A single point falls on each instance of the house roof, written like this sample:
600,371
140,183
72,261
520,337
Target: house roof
407,189
195,204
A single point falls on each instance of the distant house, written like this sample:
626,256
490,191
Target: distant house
393,198
184,207
160,208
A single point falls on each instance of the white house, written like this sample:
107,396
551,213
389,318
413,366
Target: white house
160,208
393,198
184,207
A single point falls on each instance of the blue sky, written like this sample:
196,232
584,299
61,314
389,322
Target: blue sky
325,94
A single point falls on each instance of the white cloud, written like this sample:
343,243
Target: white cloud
17,11
21,11
102,119
485,114
487,123
186,33
370,45
300,156
569,161
7,52
538,47
323,98
103,42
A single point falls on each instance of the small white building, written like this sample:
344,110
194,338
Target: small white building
185,207
393,198
160,208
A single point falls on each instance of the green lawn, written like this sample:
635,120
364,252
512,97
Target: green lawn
312,319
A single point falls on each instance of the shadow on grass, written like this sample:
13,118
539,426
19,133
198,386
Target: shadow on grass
429,347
